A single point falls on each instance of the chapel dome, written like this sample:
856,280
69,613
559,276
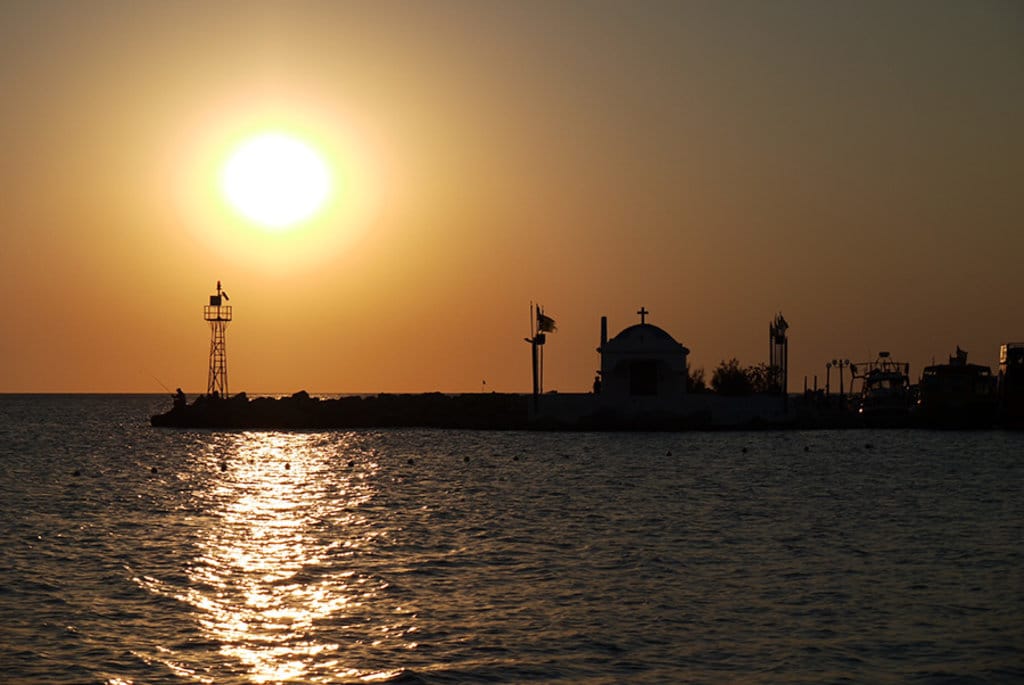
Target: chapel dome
643,336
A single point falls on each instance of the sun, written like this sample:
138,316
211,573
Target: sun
276,180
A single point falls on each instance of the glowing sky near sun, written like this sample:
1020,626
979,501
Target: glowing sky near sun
276,180
854,165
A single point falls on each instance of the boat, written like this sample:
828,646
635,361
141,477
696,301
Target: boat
1010,385
957,394
885,396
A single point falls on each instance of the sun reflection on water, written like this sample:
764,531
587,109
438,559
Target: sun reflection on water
281,517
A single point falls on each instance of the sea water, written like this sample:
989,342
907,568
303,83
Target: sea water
130,554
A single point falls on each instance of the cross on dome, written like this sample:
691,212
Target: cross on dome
643,314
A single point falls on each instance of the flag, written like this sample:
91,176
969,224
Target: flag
545,324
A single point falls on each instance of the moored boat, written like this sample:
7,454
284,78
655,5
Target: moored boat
885,396
957,394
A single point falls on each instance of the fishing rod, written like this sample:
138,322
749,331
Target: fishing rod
161,383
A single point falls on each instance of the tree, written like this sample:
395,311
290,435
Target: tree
762,378
695,380
731,379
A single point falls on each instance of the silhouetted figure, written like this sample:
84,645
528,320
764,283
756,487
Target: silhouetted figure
597,384
179,399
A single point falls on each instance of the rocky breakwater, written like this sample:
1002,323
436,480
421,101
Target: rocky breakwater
493,411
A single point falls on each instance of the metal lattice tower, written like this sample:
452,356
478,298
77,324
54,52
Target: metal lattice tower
218,314
778,355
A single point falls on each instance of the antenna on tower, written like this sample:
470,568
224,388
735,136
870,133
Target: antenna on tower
218,314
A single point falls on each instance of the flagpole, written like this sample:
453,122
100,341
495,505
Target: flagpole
533,352
536,380
540,364
541,385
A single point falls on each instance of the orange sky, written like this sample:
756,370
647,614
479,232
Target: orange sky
855,165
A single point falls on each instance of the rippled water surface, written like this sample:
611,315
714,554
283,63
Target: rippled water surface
135,555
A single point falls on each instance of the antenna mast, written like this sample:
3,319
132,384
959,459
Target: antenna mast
218,314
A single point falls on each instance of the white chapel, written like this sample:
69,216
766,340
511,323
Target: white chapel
643,363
